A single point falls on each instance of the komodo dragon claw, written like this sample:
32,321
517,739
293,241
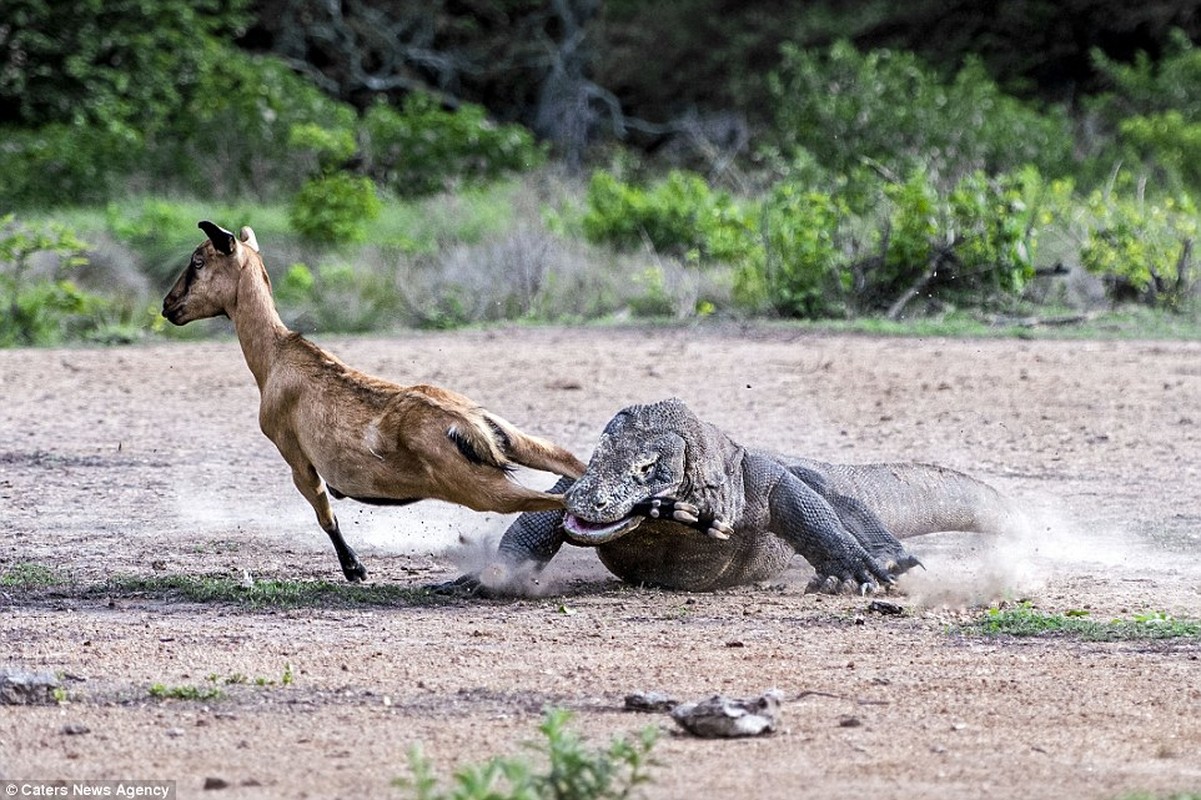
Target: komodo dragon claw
684,513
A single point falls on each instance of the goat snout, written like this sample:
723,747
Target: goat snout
173,310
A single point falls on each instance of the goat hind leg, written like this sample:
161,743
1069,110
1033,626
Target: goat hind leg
313,488
535,452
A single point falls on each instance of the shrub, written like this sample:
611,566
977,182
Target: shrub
890,110
423,148
60,164
239,126
1143,248
1152,107
334,209
680,216
574,771
42,306
820,259
803,255
161,232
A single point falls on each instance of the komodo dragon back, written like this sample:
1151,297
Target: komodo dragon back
913,498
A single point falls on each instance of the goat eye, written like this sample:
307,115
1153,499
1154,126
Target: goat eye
645,468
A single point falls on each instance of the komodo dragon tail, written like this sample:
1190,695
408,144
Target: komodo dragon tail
912,499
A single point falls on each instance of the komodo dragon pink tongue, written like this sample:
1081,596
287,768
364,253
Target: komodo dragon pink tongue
592,533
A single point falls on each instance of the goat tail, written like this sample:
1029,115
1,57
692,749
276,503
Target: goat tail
481,441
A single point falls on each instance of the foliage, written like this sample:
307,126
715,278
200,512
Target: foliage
680,216
801,268
889,110
978,237
422,149
41,305
574,772
1143,247
1150,86
99,63
1024,619
820,259
58,163
90,84
1168,143
333,209
335,298
1153,106
245,131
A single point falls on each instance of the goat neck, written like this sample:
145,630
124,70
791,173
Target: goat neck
256,321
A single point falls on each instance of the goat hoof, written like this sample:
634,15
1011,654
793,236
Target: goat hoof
355,574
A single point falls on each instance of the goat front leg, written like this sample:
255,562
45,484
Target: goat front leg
313,488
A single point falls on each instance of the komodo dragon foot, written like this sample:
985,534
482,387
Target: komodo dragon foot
684,513
881,575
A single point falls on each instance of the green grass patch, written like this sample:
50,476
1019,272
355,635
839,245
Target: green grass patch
264,593
573,770
1024,620
162,692
30,576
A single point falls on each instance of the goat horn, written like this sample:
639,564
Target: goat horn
248,238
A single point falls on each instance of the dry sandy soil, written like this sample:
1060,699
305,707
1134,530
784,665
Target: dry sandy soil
147,461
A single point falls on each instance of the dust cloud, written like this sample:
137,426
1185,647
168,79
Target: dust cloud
1037,557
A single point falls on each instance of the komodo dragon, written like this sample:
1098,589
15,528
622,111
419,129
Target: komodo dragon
669,500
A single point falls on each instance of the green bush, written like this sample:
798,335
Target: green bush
819,259
43,306
1152,108
574,771
978,239
334,209
1143,248
63,164
803,255
244,129
889,110
680,216
994,232
422,149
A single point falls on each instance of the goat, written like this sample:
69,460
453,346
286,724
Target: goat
358,436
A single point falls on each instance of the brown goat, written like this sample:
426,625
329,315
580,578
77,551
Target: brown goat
362,437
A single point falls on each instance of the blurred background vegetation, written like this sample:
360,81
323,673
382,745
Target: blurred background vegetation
451,162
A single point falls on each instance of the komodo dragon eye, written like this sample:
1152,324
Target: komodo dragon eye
645,466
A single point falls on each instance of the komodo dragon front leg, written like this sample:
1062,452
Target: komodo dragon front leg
867,528
847,546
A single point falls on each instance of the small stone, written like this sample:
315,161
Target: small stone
211,783
75,729
650,702
849,721
725,717
19,687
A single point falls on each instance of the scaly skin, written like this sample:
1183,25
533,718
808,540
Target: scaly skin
669,500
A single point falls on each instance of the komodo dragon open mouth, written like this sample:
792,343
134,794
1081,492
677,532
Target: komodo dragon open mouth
581,531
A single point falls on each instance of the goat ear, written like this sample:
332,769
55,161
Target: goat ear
222,239
248,238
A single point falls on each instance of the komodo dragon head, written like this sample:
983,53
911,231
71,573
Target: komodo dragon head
646,452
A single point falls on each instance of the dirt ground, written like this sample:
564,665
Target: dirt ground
148,461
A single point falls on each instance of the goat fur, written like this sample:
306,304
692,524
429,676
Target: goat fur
350,433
